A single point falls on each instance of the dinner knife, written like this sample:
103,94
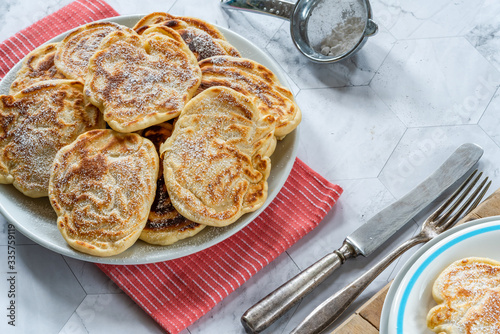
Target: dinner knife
364,240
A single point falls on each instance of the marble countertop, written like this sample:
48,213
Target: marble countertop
376,124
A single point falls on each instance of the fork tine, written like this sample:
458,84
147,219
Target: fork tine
459,200
453,196
478,199
467,207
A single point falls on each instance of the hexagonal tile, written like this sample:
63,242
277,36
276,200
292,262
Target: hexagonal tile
92,279
484,36
349,126
357,70
97,312
428,148
490,122
426,82
45,287
427,18
257,28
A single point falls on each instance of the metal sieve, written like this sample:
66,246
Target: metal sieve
325,31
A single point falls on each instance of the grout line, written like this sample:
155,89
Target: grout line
74,275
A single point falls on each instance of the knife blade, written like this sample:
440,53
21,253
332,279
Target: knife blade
364,240
385,223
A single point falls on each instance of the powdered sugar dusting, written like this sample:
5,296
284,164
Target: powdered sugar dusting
470,290
49,115
138,86
212,168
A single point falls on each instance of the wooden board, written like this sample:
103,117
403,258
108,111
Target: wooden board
366,320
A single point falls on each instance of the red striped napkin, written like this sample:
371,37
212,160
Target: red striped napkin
192,285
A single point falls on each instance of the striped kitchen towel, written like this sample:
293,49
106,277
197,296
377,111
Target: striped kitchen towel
192,285
178,292
76,13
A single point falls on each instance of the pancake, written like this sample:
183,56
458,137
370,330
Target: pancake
468,297
74,51
255,81
34,124
203,39
37,66
165,225
216,163
101,187
139,81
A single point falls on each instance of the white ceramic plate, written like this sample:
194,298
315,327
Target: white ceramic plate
410,295
36,219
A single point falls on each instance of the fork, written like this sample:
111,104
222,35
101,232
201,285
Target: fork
438,222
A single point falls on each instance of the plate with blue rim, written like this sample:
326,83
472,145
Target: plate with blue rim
409,298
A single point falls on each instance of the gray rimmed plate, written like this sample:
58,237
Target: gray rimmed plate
36,219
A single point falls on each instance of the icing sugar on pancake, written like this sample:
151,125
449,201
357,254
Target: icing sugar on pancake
34,124
139,81
468,297
203,39
74,51
37,66
101,187
256,81
165,225
216,163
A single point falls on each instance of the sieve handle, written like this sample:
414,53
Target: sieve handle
278,8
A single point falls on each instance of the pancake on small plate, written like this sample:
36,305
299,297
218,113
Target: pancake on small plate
165,225
34,124
203,39
74,51
101,187
139,81
255,81
216,163
468,297
37,66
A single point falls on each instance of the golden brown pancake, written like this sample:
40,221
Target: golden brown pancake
34,124
216,163
165,225
203,39
468,297
101,187
74,51
37,66
139,81
257,82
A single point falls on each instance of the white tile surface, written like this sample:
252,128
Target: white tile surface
110,313
91,278
46,292
426,83
427,19
376,124
362,130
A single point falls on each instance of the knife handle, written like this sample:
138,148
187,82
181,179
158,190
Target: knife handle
274,305
332,308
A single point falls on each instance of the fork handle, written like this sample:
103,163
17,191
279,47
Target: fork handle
328,311
274,305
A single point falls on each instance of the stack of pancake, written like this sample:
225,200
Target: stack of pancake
153,132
